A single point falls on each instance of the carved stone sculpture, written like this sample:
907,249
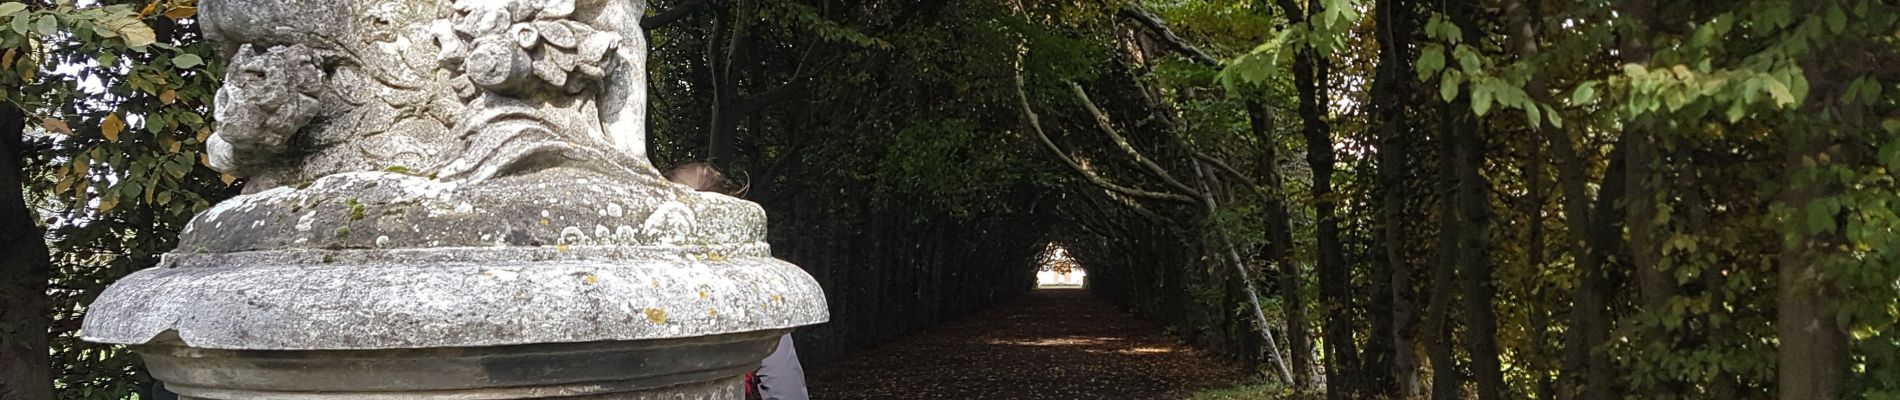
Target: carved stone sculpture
450,199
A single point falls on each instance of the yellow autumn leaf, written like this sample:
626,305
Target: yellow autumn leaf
168,97
167,143
227,178
63,185
149,8
108,202
112,126
181,12
56,125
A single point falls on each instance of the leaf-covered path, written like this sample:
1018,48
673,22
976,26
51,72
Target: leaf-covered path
1050,344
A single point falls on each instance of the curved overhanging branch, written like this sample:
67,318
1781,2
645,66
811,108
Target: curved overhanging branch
1035,125
1108,127
1160,28
1229,169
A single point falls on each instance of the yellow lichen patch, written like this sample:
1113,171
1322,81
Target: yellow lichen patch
702,294
777,299
656,283
545,221
656,316
715,257
560,248
712,312
590,279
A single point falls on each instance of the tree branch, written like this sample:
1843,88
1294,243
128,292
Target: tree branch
1224,167
796,85
1035,124
671,15
1108,126
1167,36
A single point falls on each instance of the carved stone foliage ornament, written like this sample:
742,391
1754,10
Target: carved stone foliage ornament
447,174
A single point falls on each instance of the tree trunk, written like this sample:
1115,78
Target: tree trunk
25,364
1473,252
1279,247
1446,382
1389,94
1654,285
1813,358
1813,354
1310,74
726,59
1587,373
1544,388
1474,255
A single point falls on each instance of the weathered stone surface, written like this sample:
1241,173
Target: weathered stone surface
385,210
399,305
696,368
465,90
449,199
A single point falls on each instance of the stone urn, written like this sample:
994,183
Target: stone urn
450,199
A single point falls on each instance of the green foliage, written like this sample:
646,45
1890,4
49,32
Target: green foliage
901,153
948,163
786,14
122,111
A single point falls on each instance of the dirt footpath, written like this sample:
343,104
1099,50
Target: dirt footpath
1050,344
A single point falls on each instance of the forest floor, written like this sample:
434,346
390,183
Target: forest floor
1049,344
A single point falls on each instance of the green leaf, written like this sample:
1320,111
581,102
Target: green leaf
1468,59
1871,91
1585,93
1534,116
1836,19
47,25
1555,119
127,26
1448,86
22,25
1890,152
1703,35
11,8
1480,99
1430,61
1820,215
185,61
1736,111
1798,85
1635,71
1779,90
1675,98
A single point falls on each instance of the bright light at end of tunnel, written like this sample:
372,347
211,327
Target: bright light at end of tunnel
1059,270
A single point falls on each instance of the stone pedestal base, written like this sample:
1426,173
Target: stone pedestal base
369,286
708,368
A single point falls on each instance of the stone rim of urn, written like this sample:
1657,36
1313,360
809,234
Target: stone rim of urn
415,232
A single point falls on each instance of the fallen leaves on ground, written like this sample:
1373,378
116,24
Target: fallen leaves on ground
1051,344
